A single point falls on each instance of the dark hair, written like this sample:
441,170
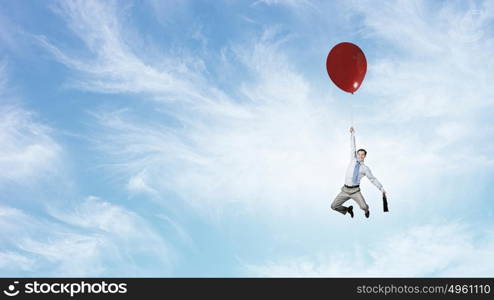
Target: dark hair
362,150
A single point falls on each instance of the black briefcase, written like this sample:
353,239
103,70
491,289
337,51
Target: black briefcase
385,203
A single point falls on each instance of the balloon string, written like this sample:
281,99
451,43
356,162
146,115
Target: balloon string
351,112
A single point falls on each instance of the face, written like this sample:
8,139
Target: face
360,156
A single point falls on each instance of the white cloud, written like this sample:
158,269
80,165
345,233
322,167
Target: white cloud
94,238
115,65
272,146
426,71
137,184
444,250
225,150
12,261
275,149
228,152
289,3
275,142
428,88
28,150
67,255
89,238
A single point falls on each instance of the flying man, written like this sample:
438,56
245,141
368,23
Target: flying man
351,189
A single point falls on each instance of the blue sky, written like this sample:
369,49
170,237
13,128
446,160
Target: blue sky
204,138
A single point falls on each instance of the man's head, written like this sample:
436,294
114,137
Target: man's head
361,154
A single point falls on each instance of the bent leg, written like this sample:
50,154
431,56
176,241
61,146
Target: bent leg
338,202
360,200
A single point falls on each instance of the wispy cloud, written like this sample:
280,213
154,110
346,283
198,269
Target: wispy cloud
93,238
62,236
115,65
427,97
433,68
11,262
444,250
272,131
290,3
270,144
263,137
28,150
248,152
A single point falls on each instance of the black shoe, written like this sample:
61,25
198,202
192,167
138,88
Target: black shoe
350,210
367,213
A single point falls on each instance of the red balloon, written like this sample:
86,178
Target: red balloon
346,65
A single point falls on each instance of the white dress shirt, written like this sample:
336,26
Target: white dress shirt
363,171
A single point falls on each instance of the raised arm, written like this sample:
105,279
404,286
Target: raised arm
353,149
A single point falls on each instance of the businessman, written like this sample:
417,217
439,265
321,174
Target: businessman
351,190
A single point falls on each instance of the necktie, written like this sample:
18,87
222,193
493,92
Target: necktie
355,172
